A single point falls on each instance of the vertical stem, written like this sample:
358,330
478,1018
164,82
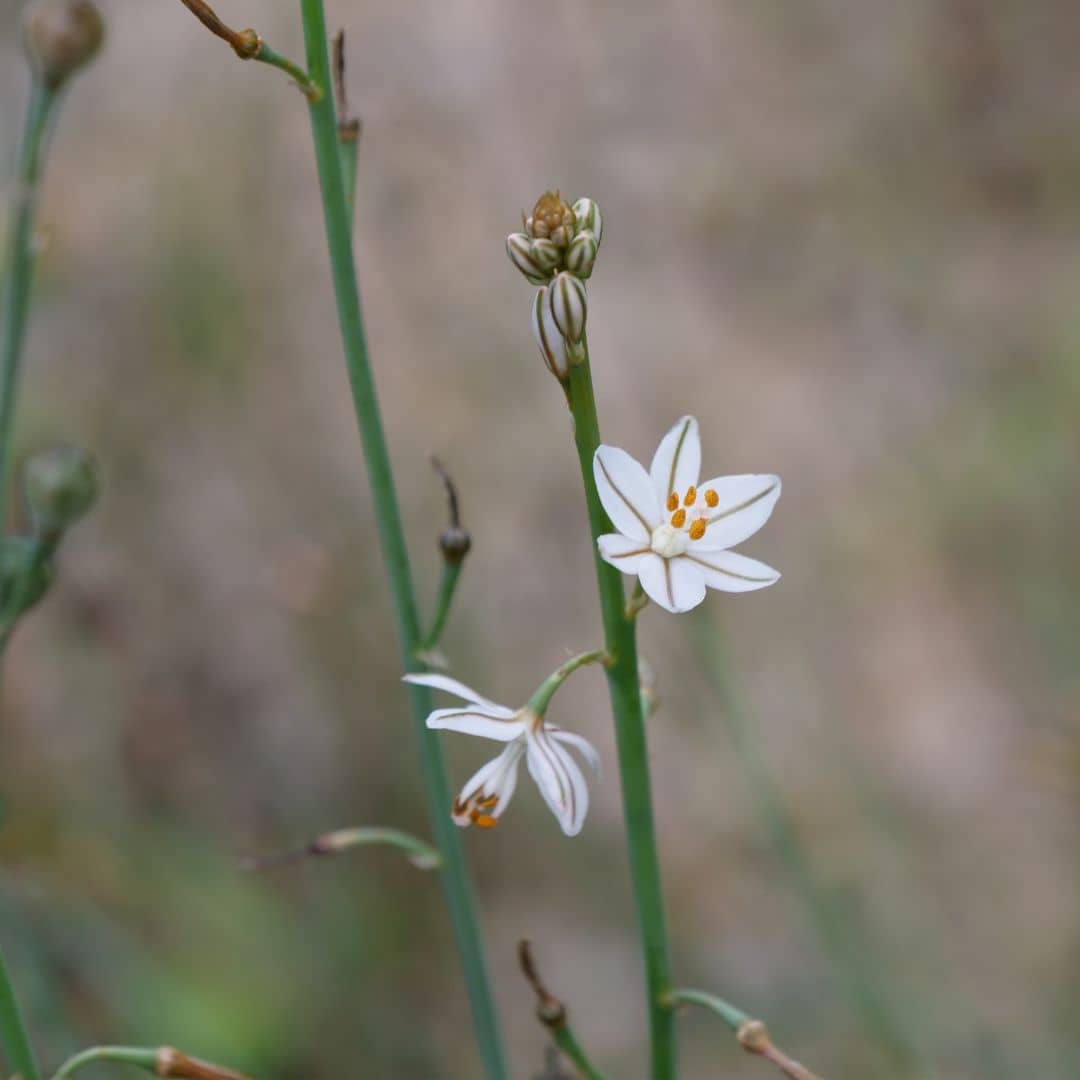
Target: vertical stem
13,1037
623,685
19,270
455,879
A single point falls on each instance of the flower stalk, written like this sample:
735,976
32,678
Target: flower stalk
455,879
422,855
13,1037
624,687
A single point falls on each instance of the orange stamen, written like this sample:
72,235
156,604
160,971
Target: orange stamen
697,530
672,502
691,496
484,821
488,801
711,498
678,519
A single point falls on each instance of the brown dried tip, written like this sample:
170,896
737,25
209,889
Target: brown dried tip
754,1037
550,1011
170,1062
60,37
245,43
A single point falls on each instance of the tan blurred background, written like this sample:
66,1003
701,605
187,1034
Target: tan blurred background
844,234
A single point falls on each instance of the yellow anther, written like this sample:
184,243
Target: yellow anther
672,502
697,530
484,821
488,801
691,496
711,498
678,519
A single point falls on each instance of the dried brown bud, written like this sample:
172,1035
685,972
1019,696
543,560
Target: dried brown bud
60,37
753,1036
552,219
170,1062
454,543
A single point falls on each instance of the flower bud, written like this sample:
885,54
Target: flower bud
61,36
60,485
581,254
587,215
546,255
454,543
520,249
569,305
552,219
548,335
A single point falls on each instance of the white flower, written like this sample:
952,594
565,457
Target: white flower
673,530
526,734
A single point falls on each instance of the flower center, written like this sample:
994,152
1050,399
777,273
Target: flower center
689,520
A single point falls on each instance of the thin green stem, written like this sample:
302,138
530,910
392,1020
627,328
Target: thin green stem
309,89
13,1037
455,879
127,1055
19,270
626,703
564,1038
422,855
447,586
734,1018
851,961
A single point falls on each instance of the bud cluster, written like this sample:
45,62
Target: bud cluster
557,251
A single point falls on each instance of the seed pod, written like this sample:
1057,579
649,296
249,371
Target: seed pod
581,254
60,37
569,305
520,249
587,215
60,485
548,336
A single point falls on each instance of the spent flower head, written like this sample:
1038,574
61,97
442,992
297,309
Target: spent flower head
528,735
674,530
60,37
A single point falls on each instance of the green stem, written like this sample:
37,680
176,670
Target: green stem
455,879
13,1037
850,960
311,90
540,701
565,1040
447,586
733,1017
19,270
127,1055
624,687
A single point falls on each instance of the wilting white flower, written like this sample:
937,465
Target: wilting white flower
526,734
674,531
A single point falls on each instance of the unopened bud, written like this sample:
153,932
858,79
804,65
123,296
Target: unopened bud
581,254
547,256
60,485
520,249
60,37
548,336
569,305
587,215
454,543
552,219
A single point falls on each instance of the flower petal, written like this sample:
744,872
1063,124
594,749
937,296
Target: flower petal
675,584
622,552
579,743
731,572
625,491
746,503
452,686
486,723
676,465
559,779
496,778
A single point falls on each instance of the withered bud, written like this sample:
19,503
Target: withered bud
753,1037
60,37
552,219
454,543
170,1062
60,485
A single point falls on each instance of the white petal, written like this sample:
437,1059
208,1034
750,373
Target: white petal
560,781
622,552
487,723
731,572
497,777
452,686
676,465
579,743
675,584
625,491
746,503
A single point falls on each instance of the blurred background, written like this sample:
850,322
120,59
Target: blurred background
845,235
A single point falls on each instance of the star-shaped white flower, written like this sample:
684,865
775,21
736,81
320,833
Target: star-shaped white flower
674,531
526,734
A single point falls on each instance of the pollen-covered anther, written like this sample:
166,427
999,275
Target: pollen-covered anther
691,496
488,801
483,821
678,519
712,500
697,529
672,502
